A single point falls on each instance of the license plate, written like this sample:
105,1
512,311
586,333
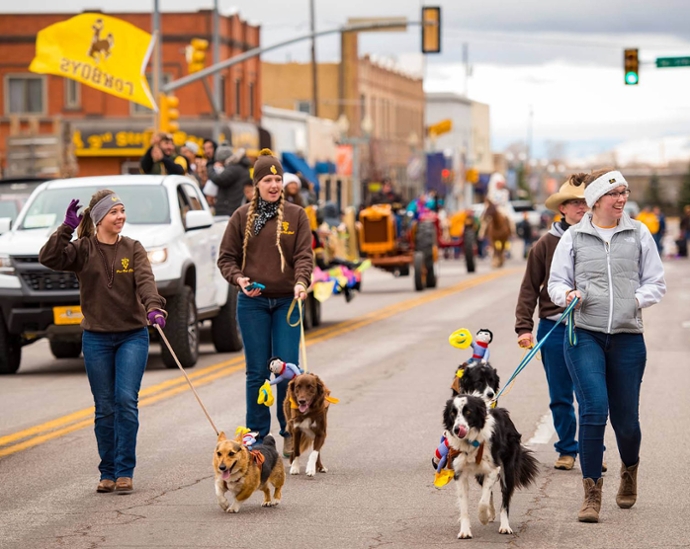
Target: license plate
67,315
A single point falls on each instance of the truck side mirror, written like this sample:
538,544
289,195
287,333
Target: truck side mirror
198,219
5,224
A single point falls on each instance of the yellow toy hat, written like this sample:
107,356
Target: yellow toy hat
461,338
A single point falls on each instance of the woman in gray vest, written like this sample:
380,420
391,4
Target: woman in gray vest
611,264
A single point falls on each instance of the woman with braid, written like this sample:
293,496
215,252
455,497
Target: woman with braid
267,241
118,297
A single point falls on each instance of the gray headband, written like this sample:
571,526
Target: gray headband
103,206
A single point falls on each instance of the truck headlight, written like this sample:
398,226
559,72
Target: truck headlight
157,256
6,266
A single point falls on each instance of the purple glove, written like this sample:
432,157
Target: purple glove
72,220
156,317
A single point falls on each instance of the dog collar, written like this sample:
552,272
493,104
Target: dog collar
475,443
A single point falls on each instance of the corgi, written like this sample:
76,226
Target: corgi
242,470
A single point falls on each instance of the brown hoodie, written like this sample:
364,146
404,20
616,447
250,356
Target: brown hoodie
536,281
120,308
263,259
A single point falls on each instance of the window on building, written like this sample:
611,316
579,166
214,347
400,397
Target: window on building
303,106
238,97
72,94
362,107
140,109
25,95
251,100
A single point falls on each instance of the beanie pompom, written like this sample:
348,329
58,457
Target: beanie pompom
266,152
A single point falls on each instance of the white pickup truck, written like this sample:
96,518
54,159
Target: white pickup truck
169,216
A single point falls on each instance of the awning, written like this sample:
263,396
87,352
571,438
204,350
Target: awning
325,167
294,164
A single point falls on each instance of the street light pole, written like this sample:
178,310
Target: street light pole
216,75
156,24
314,69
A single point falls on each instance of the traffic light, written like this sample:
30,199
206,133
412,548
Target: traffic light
631,66
168,113
195,54
431,29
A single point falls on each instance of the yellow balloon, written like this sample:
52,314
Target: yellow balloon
461,338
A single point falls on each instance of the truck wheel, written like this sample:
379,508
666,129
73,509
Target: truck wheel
225,330
469,240
315,307
419,274
182,330
65,349
10,350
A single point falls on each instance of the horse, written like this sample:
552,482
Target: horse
497,229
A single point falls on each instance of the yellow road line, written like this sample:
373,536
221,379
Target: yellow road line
69,423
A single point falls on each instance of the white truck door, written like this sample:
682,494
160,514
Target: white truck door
200,245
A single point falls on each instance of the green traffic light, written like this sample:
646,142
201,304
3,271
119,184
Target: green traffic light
631,78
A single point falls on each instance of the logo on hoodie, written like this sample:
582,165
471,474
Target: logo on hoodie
286,228
125,267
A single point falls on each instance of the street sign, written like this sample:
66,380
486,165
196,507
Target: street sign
663,62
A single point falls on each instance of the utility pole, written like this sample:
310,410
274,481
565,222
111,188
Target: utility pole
216,75
465,60
156,24
529,134
314,70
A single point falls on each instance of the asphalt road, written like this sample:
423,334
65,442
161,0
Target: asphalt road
386,357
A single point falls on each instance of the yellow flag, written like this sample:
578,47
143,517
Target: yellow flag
103,52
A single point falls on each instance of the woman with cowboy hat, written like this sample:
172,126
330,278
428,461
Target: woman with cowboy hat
267,241
569,201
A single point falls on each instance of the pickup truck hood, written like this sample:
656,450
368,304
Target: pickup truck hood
30,242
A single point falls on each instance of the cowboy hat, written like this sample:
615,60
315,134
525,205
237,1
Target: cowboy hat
567,191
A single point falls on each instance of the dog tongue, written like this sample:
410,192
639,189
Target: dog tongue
226,475
462,431
303,407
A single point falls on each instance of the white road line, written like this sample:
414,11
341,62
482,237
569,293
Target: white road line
545,430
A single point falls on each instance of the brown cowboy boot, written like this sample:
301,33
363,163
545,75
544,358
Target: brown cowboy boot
627,491
589,512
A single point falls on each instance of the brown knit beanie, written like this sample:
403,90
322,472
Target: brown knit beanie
266,164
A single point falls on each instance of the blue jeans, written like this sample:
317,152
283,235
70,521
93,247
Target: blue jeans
560,387
115,364
265,334
607,372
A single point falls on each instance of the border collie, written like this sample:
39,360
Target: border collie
476,379
488,447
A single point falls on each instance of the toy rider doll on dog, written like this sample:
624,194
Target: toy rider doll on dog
283,371
480,346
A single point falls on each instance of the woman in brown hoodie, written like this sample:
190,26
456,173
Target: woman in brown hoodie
118,298
267,241
570,203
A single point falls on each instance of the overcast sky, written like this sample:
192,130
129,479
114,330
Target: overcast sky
561,58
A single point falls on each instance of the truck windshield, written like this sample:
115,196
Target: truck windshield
144,205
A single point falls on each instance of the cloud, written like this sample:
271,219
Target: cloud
573,103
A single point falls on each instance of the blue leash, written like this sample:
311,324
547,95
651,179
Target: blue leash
572,339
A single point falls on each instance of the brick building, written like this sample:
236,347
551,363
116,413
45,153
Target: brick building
360,88
109,132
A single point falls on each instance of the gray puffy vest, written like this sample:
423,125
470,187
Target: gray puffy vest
608,276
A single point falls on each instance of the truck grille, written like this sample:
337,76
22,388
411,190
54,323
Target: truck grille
50,280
